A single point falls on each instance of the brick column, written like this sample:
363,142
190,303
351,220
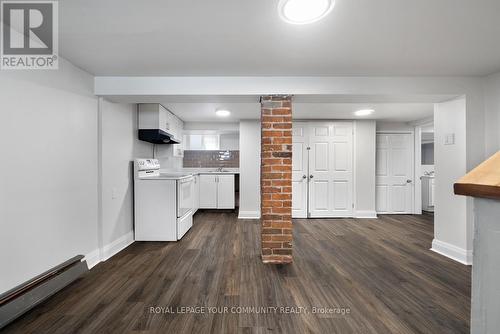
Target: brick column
276,178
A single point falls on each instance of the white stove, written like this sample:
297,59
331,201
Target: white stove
163,202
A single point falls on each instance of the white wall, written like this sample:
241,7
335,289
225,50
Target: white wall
119,147
451,224
230,141
365,164
48,194
165,154
492,115
394,126
214,126
249,169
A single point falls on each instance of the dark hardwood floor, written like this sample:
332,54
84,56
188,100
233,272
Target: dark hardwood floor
381,271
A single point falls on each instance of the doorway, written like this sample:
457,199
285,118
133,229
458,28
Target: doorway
427,168
394,173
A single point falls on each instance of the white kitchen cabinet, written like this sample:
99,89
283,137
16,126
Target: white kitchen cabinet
208,191
178,149
196,192
217,191
155,116
225,191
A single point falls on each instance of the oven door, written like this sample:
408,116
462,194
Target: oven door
185,196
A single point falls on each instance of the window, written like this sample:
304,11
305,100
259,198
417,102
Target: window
197,142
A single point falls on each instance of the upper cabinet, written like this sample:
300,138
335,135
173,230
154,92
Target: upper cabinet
156,122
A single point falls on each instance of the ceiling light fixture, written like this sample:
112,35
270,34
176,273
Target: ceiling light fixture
364,112
222,113
304,11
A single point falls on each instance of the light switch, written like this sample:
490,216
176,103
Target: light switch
449,139
113,193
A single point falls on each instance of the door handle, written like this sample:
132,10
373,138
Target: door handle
304,176
404,184
311,176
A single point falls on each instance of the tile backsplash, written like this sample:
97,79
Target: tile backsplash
209,159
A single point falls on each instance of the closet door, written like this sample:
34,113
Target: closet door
331,169
299,169
395,173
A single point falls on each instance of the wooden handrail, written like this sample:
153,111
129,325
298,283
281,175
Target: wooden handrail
483,181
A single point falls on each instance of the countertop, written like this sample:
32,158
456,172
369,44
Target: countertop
483,181
209,171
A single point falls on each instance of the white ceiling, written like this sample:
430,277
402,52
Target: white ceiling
394,108
242,37
400,112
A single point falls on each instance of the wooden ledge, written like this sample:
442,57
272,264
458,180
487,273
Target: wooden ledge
482,181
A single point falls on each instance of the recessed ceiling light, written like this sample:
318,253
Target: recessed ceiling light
222,113
304,11
364,112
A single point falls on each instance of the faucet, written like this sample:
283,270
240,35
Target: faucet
220,169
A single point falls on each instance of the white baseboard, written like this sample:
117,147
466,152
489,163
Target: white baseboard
118,245
365,214
109,250
92,258
453,252
249,215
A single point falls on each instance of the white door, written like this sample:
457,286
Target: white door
208,191
299,169
330,169
394,182
225,191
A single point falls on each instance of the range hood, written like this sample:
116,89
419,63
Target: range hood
157,136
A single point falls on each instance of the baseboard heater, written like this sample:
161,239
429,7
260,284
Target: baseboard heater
24,297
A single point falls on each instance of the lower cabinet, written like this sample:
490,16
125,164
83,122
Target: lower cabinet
196,192
225,191
217,191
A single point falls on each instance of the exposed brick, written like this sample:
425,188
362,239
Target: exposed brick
281,237
272,217
272,176
274,231
268,162
267,148
281,210
282,126
281,111
281,183
282,154
266,252
276,259
282,140
276,178
271,245
270,190
272,133
281,224
281,196
281,251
